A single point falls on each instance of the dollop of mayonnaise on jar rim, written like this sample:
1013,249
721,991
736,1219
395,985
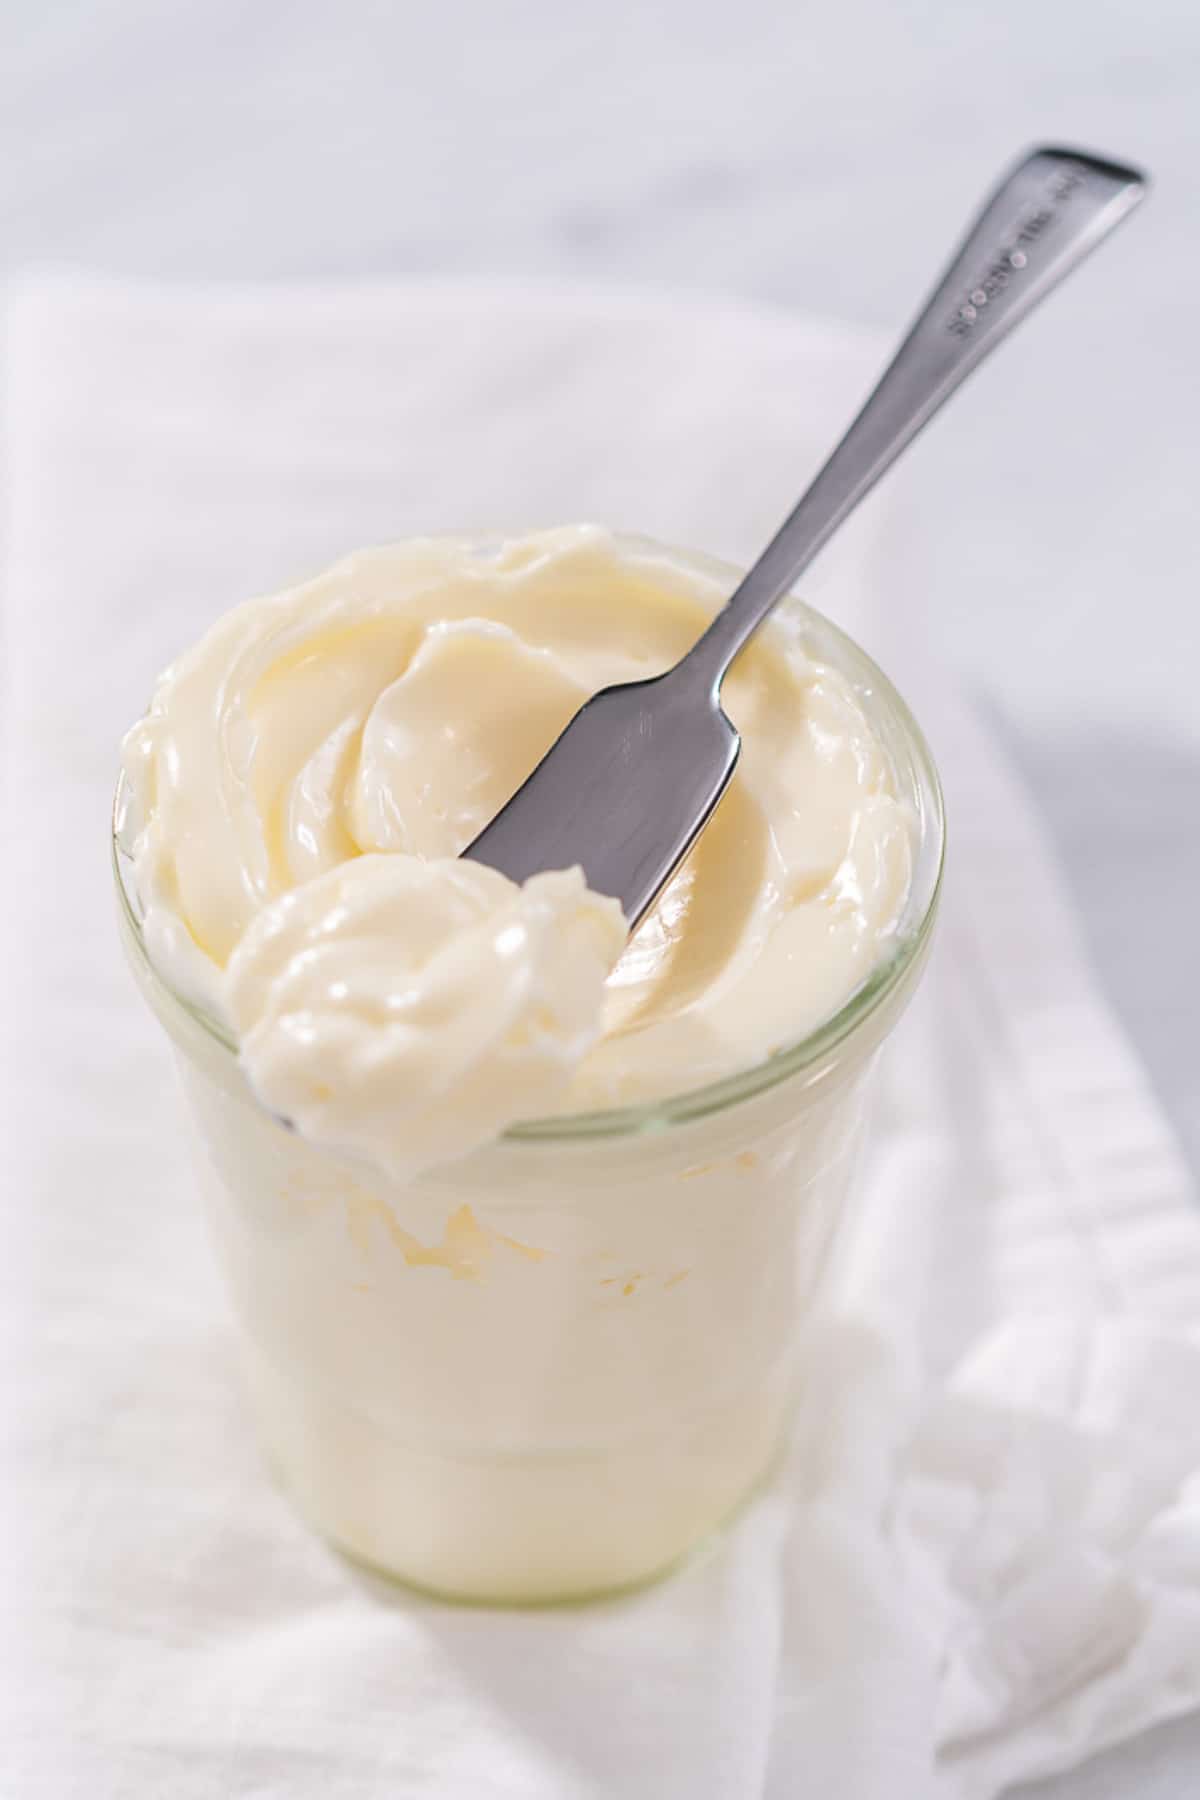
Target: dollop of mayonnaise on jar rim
372,720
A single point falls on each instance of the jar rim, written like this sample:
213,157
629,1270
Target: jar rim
917,773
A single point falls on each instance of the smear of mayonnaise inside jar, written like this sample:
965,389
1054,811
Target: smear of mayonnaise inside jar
308,774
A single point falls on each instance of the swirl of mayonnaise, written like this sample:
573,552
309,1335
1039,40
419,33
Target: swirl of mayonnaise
416,1008
308,774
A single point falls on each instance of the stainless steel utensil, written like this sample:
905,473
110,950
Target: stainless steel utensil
631,782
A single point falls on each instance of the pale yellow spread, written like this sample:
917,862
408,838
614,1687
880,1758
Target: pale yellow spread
309,772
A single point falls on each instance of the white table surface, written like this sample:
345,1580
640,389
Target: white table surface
810,156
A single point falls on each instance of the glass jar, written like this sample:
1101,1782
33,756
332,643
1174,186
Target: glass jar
550,1369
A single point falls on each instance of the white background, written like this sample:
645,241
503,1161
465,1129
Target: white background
818,157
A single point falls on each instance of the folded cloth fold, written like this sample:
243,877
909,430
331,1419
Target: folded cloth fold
982,1562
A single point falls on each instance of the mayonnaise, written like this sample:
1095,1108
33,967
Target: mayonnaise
308,774
413,1009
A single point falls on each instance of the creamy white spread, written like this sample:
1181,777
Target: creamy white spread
413,1008
308,774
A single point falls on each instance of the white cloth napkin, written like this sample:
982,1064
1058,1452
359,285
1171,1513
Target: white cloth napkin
984,1559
